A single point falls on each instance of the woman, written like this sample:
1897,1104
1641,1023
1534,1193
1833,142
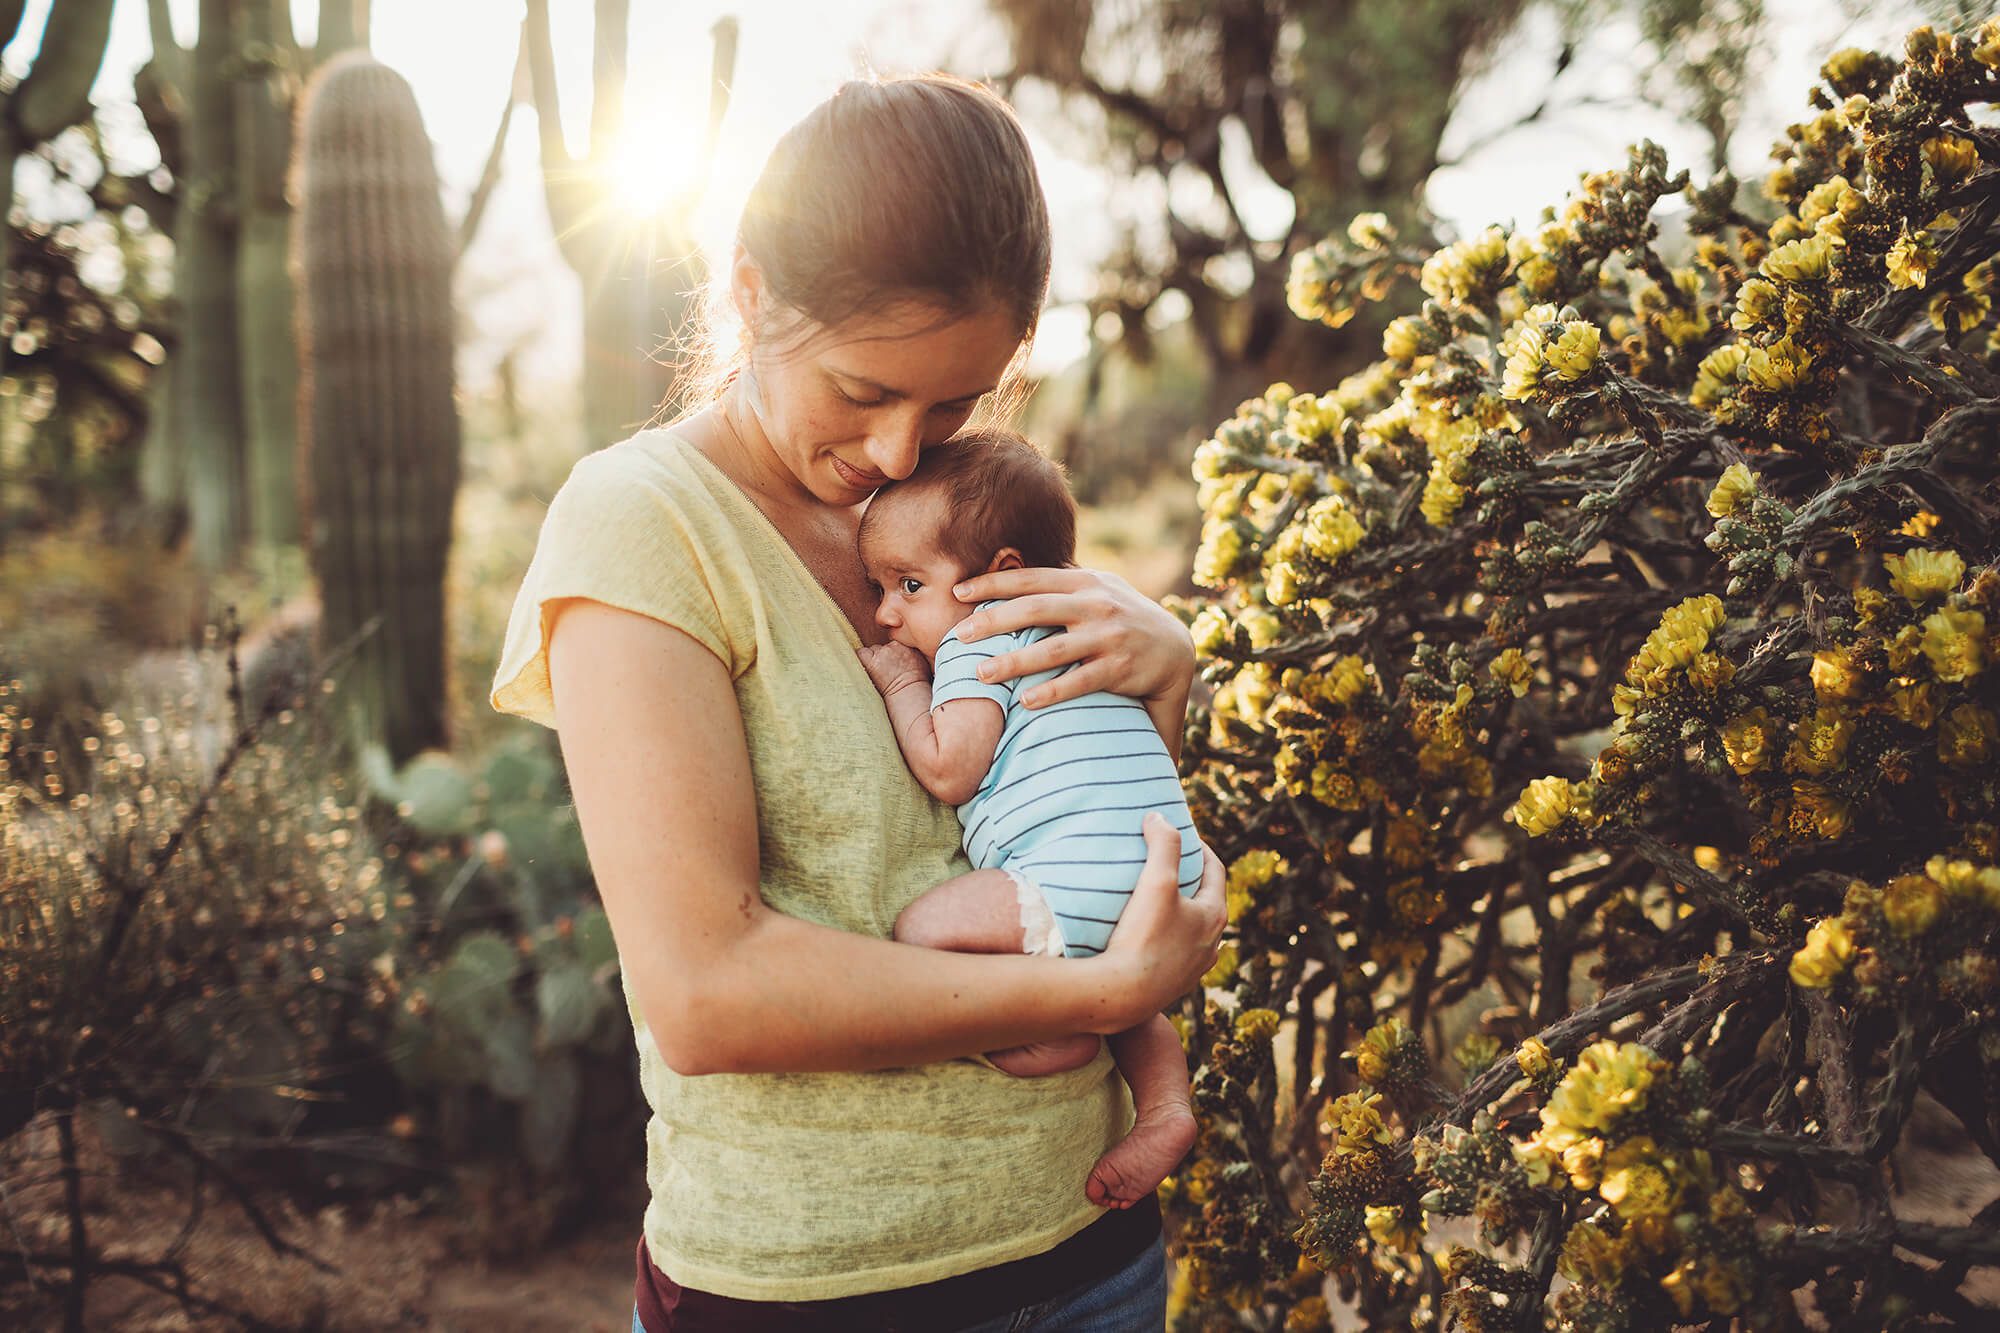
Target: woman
823,1152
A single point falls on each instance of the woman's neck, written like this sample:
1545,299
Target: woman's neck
740,448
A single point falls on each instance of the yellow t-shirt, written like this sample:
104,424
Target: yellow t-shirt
806,1186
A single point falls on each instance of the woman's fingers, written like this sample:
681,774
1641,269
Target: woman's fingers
1022,582
1027,611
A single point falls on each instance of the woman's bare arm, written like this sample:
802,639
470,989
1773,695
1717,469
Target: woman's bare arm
1123,641
657,761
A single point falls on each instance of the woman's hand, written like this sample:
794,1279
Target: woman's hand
1121,640
1164,943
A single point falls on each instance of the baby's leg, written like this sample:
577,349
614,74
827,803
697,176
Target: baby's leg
987,913
1163,1129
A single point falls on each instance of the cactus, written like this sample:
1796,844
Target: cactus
378,421
264,98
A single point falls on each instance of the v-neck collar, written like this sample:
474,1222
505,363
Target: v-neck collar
742,497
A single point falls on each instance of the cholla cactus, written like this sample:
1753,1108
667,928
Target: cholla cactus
1632,620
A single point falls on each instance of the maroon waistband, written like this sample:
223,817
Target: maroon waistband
1097,1251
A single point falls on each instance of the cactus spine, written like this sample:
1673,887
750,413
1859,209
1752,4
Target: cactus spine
378,421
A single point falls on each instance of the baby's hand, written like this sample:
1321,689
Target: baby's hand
892,666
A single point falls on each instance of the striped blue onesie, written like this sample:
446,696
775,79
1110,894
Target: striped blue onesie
1069,785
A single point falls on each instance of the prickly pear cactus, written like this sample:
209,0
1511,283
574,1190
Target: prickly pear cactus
379,425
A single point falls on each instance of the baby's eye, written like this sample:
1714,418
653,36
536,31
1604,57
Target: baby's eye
910,587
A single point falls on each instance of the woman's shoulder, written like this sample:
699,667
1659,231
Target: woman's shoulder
658,460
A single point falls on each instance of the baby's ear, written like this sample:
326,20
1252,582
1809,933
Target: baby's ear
1007,558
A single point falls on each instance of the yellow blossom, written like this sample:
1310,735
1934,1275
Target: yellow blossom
1574,354
1525,364
1248,873
1609,1081
1210,630
1803,260
1281,587
1986,49
1682,636
1394,1228
1371,231
1263,627
1782,366
1911,259
1375,1057
1511,669
1545,805
1534,1058
1757,302
1224,970
1406,339
1955,643
1357,1124
1331,529
1817,812
1910,904
1221,547
1920,575
1835,676
1735,486
1969,736
1459,272
1950,158
1961,311
1256,1027
1347,678
1312,418
1828,948
1747,740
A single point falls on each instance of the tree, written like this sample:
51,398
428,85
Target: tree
1606,704
1342,105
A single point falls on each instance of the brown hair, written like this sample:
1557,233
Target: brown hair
891,190
998,490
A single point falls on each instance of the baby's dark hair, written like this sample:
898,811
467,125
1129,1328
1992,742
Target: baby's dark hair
998,491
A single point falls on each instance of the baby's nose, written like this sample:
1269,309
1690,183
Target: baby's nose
884,616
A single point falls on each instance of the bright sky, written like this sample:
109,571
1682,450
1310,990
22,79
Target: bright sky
516,293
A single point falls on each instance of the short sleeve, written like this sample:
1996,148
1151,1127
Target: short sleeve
626,532
955,674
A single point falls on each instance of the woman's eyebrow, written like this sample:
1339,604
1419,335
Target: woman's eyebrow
887,392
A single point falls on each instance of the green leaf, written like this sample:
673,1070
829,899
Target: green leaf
434,795
569,1003
548,1117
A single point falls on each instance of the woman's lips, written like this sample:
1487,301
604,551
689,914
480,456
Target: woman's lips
861,481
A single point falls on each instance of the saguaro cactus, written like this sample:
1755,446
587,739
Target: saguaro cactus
379,425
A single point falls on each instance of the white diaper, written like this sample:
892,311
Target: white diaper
1039,932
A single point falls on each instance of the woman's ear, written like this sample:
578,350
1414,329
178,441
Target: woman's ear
746,288
1008,558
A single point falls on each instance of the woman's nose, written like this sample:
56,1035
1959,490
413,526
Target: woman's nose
894,445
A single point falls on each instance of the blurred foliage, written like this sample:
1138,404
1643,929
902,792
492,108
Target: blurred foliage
1602,744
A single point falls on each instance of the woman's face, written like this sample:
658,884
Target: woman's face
847,410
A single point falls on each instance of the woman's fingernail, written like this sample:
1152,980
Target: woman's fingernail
959,590
986,671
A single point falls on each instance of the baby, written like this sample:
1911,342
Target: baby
1052,796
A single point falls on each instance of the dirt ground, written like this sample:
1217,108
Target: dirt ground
395,1266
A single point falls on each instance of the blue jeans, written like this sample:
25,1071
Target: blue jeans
1132,1300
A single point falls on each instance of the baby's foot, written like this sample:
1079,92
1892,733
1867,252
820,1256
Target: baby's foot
1038,1059
1144,1158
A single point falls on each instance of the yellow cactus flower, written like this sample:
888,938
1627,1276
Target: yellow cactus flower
1256,1027
1511,669
1778,368
1442,499
1574,354
1828,947
1910,259
1609,1081
1748,740
1375,1057
1682,636
1395,1228
1718,374
1757,302
1950,157
1406,339
1457,273
1545,805
1263,628
1224,971
1221,547
1916,706
1804,260
1357,1125
1835,676
1347,678
1248,873
1960,311
1920,575
1313,417
1331,529
1638,1191
1732,489
1955,643
1830,197
1525,364
1534,1058
1281,588
1986,48
1371,231
1819,813
1210,630
1910,903
1968,737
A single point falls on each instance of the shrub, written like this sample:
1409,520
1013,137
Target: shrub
1603,746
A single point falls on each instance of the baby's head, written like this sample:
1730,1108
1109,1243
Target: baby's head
986,500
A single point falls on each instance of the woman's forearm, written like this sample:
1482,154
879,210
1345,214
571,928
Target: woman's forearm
792,996
1169,714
